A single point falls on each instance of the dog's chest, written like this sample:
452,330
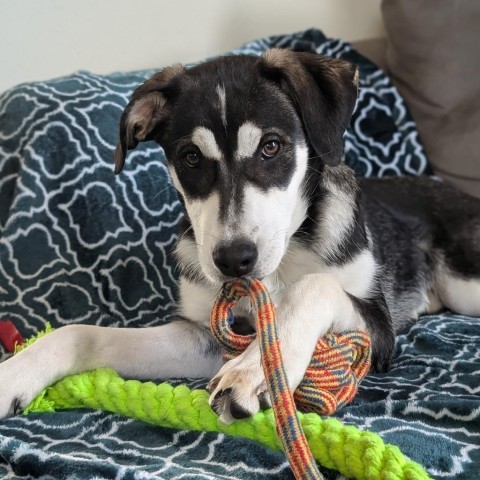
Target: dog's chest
356,277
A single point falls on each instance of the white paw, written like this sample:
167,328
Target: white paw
13,395
238,390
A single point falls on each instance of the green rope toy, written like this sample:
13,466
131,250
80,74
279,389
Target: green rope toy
354,453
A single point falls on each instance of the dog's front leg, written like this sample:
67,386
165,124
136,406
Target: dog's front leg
310,308
177,349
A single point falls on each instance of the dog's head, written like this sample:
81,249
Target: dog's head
241,135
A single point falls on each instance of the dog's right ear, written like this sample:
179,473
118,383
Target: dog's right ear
324,90
149,108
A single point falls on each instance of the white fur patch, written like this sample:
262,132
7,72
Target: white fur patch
462,296
355,277
223,103
337,216
204,215
204,139
196,301
249,136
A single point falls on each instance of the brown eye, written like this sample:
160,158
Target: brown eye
270,149
192,159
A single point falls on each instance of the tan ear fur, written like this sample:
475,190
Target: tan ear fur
149,107
324,90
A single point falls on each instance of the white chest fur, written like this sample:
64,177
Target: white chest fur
356,277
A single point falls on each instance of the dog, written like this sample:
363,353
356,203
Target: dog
254,150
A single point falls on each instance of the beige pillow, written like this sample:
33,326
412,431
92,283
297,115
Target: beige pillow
433,56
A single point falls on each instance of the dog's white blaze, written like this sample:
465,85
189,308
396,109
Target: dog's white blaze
204,139
223,103
203,215
249,136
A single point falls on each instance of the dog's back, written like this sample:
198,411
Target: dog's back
428,236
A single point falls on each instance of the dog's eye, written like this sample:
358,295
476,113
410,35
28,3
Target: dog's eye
192,159
270,149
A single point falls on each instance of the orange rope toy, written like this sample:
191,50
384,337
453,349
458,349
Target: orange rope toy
339,363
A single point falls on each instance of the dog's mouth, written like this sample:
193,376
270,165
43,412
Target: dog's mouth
225,278
220,278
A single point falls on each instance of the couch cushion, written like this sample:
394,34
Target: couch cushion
433,58
374,49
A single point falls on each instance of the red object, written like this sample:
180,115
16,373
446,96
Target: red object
9,335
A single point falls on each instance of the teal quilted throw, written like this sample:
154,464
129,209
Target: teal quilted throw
79,245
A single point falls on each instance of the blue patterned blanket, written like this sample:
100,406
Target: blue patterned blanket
80,245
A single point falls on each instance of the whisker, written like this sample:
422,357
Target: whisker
314,221
162,190
314,169
323,154
185,232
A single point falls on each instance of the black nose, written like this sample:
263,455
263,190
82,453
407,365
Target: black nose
236,258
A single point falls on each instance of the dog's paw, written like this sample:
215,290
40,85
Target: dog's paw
238,390
10,406
12,398
21,380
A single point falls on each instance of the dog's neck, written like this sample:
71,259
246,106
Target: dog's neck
334,226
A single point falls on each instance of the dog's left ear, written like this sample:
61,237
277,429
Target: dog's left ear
324,90
148,111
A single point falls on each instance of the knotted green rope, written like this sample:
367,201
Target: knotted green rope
354,453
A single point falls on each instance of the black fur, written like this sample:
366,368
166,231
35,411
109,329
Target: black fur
17,405
377,316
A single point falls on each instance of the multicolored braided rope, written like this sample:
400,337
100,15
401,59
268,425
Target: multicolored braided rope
339,363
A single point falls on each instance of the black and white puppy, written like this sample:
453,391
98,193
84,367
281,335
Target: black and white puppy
254,148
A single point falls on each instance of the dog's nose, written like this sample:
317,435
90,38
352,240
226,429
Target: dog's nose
236,258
